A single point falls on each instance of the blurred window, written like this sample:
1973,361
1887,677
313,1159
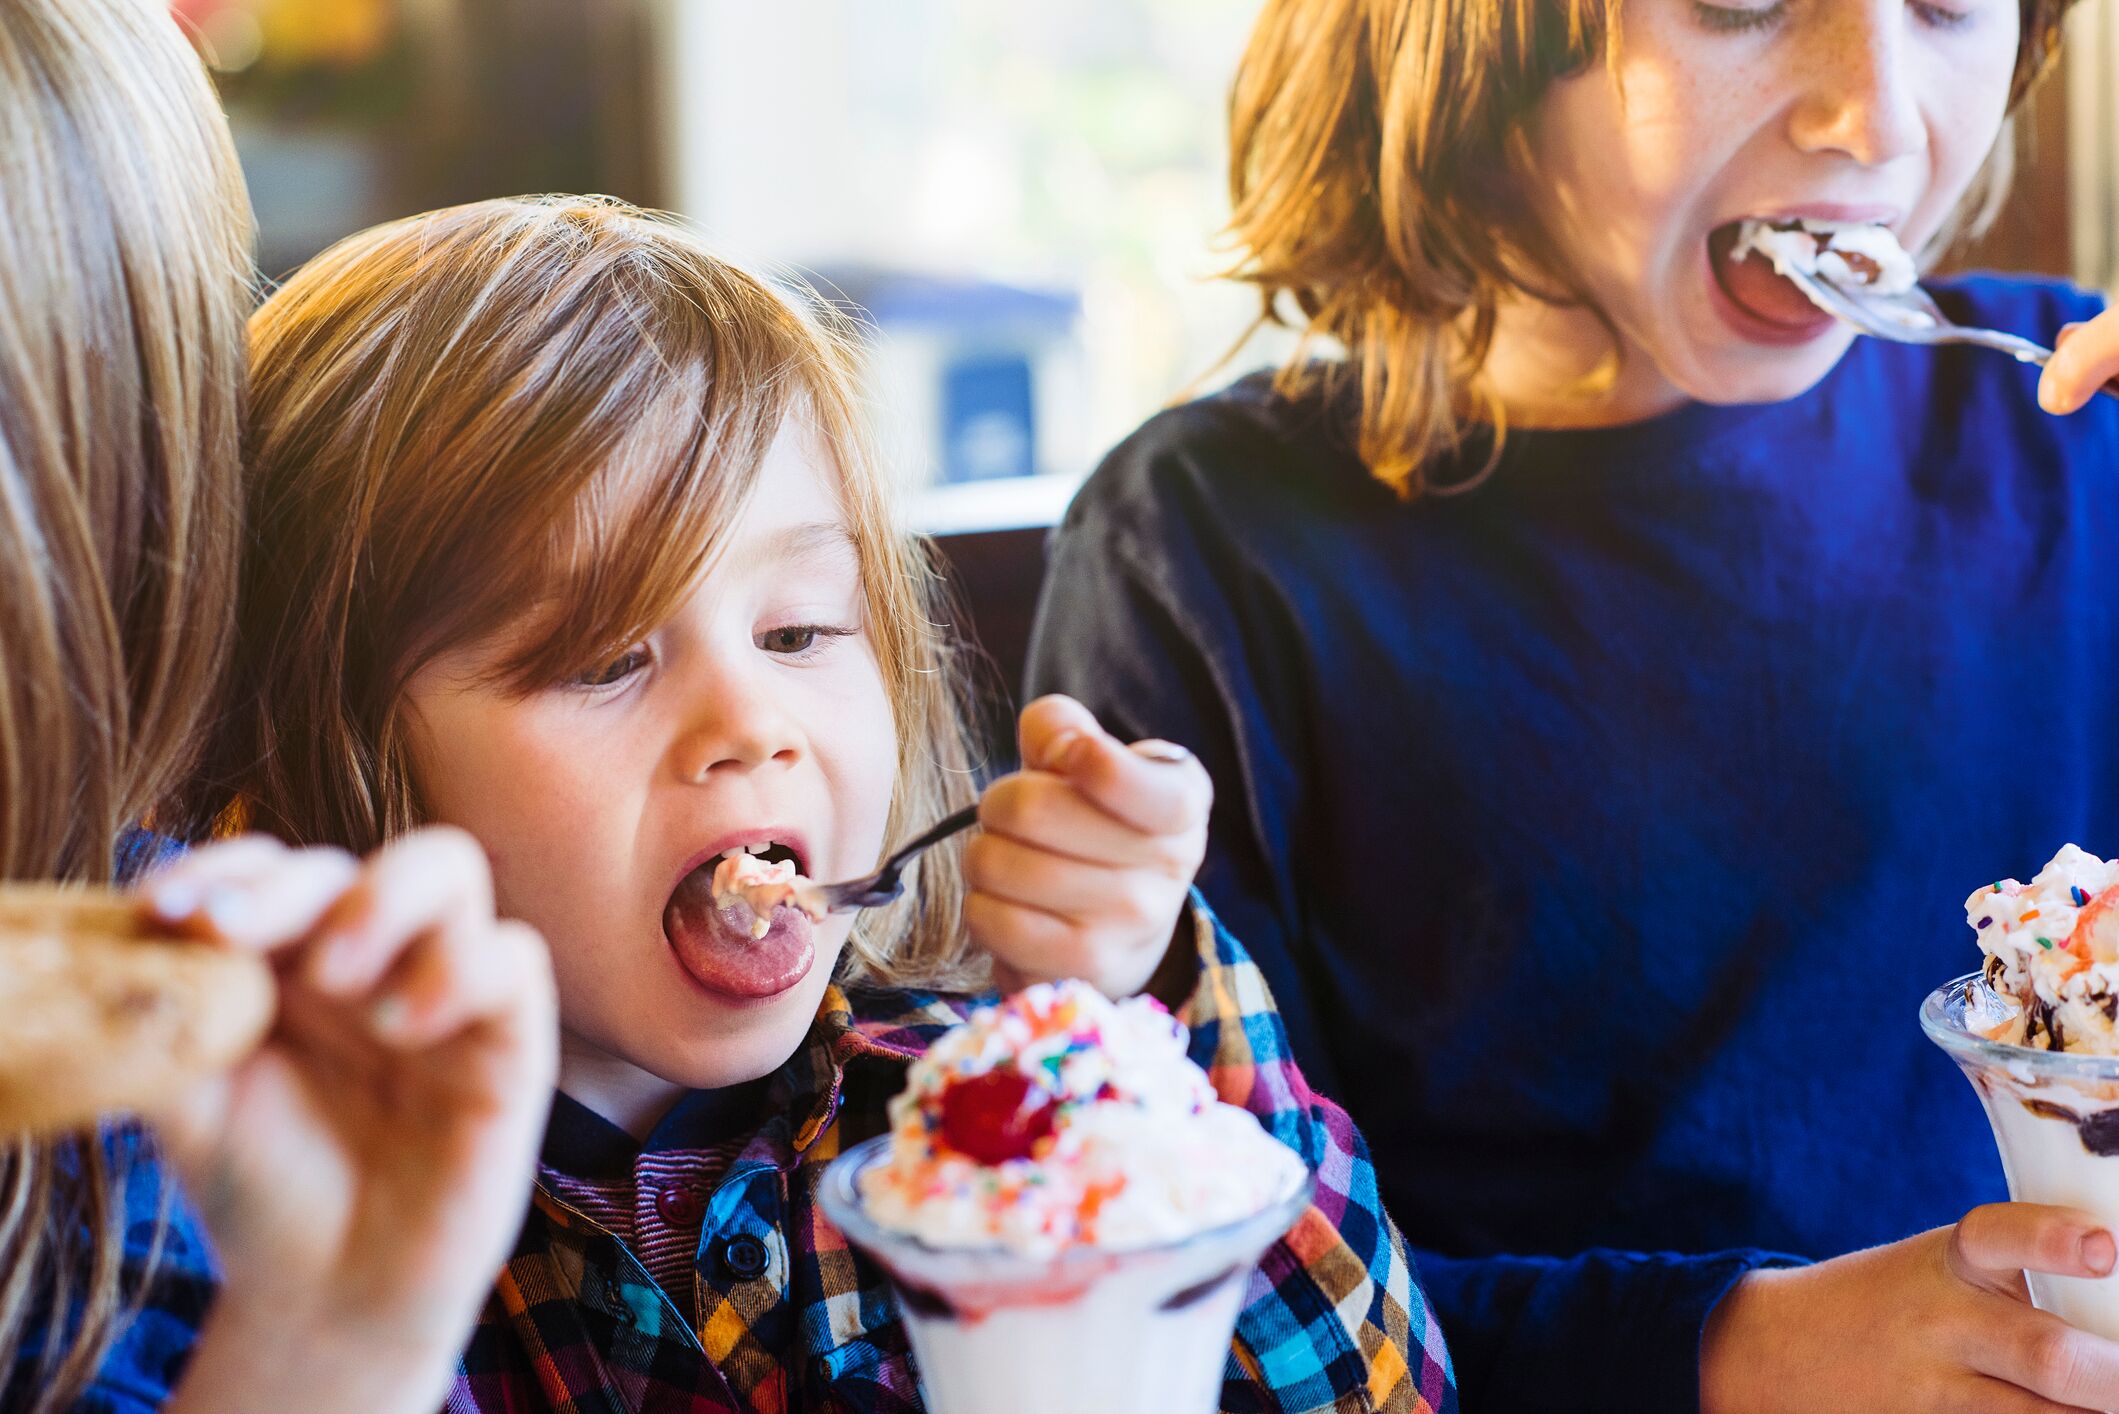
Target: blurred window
1022,197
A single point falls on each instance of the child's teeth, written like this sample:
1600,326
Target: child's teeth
756,848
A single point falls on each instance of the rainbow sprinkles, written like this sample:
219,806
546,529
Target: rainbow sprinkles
1059,1118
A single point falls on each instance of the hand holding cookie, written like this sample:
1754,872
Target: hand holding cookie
364,1171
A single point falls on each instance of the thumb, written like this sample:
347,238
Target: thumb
1155,787
1051,730
1992,1246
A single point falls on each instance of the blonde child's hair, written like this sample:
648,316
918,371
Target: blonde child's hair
1366,139
124,279
560,401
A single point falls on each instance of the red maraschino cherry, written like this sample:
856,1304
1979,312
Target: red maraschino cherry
995,1117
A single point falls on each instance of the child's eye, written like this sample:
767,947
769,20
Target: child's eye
616,671
798,640
1940,16
1737,19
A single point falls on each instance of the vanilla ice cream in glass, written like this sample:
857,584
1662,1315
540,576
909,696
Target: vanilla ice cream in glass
2034,1031
1069,1214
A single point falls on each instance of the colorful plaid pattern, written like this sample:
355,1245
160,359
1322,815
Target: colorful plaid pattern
637,1209
786,1317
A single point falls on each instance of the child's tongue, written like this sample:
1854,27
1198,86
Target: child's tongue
1754,284
716,947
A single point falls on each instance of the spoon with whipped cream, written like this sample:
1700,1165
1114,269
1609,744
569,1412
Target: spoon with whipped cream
744,879
1858,273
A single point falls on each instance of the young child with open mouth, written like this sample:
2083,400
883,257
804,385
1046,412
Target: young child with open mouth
568,534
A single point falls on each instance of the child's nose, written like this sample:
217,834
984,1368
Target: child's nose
1859,92
734,727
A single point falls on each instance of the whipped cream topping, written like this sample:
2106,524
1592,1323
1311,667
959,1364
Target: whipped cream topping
2052,955
1858,256
1058,1118
744,881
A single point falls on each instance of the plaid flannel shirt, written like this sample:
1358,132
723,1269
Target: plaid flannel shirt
1334,1320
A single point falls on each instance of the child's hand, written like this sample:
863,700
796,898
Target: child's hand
2085,357
1938,1321
364,1176
1086,855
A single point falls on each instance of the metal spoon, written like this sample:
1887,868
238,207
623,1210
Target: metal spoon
884,885
1912,318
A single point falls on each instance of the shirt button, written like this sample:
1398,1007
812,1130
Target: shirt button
743,1258
680,1206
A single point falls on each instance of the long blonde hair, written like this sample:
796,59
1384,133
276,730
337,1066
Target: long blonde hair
1364,141
454,413
124,279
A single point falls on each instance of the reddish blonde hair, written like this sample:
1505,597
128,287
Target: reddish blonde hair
456,414
1364,136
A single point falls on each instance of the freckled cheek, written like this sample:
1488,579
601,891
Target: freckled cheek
1629,177
1962,133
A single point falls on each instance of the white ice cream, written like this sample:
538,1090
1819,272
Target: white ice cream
2052,949
744,881
1094,1252
1859,257
1132,1145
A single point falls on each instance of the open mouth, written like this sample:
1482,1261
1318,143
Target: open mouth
1753,285
730,927
1753,258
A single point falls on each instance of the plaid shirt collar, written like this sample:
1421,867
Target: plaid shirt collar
810,1087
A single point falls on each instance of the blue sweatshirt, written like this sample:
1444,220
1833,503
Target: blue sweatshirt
1600,828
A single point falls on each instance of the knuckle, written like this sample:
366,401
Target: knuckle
326,858
1169,862
454,846
1071,954
1040,707
1979,1230
1144,897
986,916
1111,939
1104,772
1186,852
528,946
1028,810
1185,811
1002,804
2050,1356
221,858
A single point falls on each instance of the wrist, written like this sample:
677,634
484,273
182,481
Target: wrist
261,1356
1734,1359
